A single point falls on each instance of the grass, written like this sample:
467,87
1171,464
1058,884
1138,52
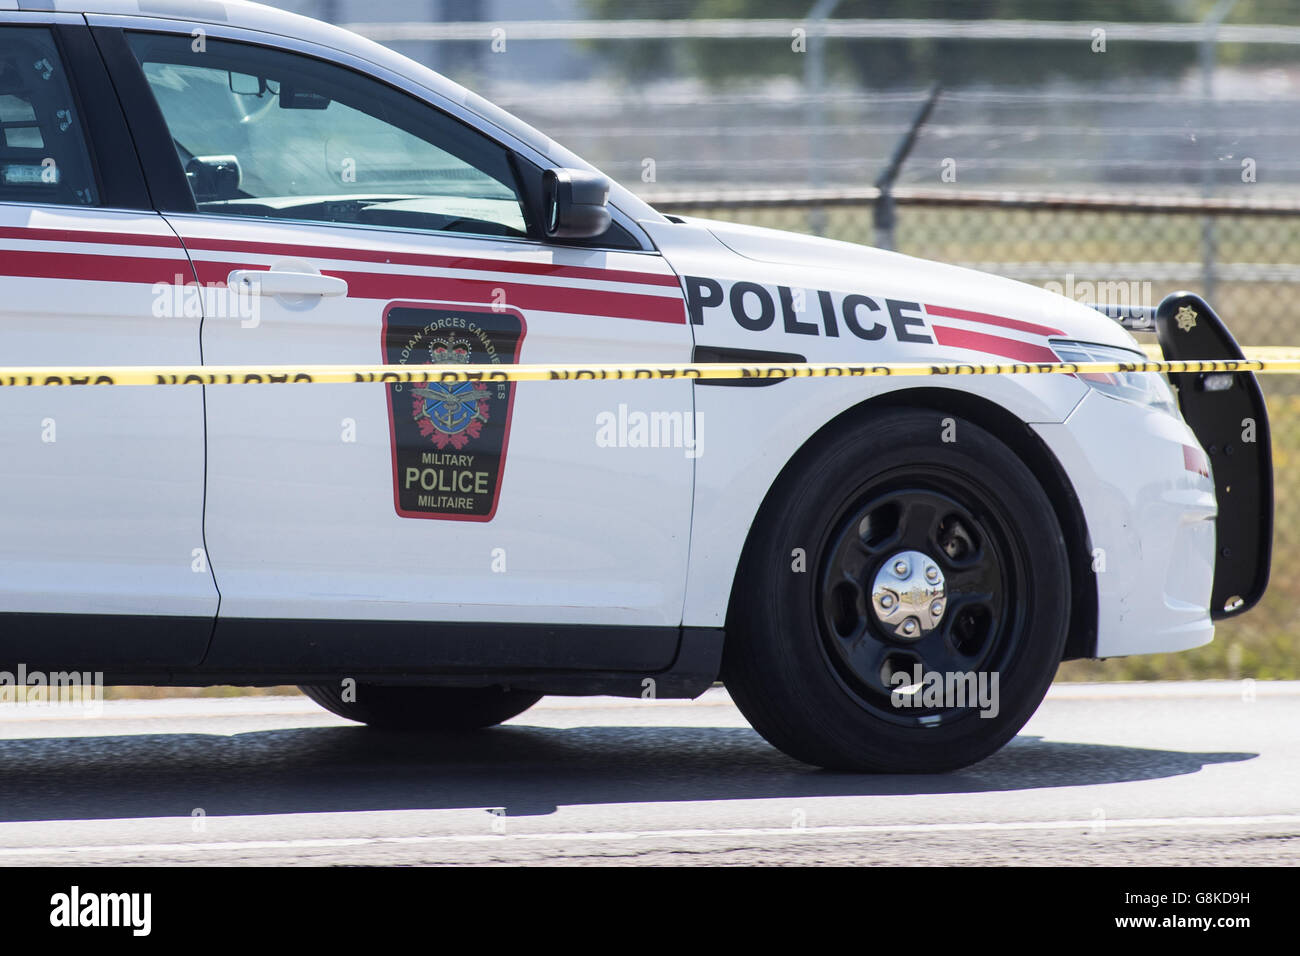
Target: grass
162,693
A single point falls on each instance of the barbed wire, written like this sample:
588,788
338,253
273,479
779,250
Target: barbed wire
846,29
931,131
652,96
951,197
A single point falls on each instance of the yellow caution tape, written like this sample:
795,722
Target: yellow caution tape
450,374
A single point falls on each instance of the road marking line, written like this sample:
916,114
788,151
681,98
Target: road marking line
1282,819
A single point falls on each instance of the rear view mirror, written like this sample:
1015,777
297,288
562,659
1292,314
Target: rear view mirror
575,203
242,84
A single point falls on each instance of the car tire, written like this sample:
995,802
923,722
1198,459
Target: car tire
398,707
816,627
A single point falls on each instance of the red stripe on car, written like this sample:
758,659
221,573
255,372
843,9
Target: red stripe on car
366,285
1194,460
78,235
545,269
95,268
999,320
993,345
386,286
435,261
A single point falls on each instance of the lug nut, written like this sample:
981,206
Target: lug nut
900,568
887,601
936,608
932,574
909,626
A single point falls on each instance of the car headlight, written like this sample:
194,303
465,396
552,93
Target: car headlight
1144,388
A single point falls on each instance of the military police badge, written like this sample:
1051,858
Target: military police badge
449,439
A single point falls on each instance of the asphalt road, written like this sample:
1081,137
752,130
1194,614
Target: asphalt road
1181,773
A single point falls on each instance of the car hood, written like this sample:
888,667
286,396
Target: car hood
895,274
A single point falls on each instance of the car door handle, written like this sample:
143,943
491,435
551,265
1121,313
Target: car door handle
273,282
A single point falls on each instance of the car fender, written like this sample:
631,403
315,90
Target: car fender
750,434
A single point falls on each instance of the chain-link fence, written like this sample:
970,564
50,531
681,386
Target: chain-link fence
1131,250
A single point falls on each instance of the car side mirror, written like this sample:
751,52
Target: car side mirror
575,203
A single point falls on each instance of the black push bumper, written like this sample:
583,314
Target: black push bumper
1228,415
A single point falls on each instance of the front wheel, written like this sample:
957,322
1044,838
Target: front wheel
903,602
397,707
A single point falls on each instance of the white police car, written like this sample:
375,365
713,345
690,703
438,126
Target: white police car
886,572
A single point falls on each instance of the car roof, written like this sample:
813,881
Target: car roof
271,20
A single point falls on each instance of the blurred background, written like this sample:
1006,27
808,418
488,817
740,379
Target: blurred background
1120,151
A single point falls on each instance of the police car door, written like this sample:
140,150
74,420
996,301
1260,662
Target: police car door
377,227
101,489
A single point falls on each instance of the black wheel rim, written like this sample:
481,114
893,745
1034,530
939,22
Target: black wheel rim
967,533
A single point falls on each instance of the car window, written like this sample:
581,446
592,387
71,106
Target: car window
272,134
43,152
